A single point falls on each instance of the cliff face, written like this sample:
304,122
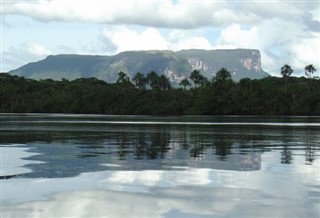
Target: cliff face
174,65
240,62
253,62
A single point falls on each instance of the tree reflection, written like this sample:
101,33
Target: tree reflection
153,145
223,149
140,146
309,154
184,142
197,150
202,142
198,147
286,155
310,149
159,145
123,146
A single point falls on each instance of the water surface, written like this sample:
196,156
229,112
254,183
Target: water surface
144,166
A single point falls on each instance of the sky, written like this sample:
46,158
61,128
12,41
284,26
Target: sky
285,32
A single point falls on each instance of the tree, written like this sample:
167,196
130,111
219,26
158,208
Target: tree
152,78
163,83
123,78
140,81
185,82
286,71
197,78
222,78
309,70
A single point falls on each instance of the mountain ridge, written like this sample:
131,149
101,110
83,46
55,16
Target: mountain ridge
176,65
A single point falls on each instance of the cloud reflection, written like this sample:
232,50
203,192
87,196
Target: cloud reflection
191,192
13,160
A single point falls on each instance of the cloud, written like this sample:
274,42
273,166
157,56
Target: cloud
188,39
279,41
305,52
311,23
283,31
22,54
184,14
181,14
124,38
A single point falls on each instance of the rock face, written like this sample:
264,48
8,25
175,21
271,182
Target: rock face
253,62
174,65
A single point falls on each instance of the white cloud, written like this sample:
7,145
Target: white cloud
306,52
283,31
188,39
24,53
280,42
124,38
235,35
182,14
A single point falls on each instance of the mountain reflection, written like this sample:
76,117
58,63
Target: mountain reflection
68,152
139,151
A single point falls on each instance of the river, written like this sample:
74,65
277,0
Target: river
64,165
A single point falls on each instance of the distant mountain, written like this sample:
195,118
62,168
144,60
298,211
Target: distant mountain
174,65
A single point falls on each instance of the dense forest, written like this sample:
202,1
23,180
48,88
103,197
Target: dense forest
152,94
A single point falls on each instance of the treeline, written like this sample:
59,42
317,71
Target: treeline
153,95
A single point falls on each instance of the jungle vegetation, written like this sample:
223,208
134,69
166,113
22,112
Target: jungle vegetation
152,94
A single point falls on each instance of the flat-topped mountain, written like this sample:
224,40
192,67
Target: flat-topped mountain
174,65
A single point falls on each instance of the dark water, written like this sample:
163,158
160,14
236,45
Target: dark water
144,166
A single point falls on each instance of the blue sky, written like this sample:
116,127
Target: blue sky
285,32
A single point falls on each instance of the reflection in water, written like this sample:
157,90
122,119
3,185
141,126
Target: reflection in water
88,169
192,192
223,148
310,153
189,146
286,155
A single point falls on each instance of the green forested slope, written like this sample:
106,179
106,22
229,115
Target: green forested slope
177,64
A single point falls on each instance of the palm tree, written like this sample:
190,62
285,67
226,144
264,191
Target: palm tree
222,78
197,78
309,70
122,78
140,81
185,82
163,83
152,78
286,71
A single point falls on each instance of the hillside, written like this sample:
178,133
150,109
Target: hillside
175,65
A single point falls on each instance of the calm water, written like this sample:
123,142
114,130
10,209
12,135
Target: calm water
144,166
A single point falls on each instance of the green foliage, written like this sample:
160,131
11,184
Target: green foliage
152,94
140,81
107,67
197,78
309,70
185,83
286,70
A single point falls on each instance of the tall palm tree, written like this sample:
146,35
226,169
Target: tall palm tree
309,70
123,79
197,78
286,71
152,78
164,83
140,81
222,78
